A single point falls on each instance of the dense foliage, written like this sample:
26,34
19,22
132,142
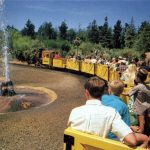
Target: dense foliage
126,40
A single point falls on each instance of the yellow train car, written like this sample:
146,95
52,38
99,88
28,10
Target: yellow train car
148,78
88,68
76,140
113,75
73,64
102,71
59,62
47,57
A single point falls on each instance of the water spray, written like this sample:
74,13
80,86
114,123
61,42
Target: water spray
6,87
4,45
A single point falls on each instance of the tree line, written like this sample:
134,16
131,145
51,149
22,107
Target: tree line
128,39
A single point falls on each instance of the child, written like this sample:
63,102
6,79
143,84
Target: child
113,100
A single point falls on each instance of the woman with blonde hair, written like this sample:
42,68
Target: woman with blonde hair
129,75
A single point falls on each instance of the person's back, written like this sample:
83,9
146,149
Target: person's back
113,100
117,103
95,118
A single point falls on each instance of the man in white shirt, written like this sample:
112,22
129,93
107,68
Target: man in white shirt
95,118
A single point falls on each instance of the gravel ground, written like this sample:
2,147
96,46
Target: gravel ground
42,128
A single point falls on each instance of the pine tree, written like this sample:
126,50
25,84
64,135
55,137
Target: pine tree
105,35
117,34
130,34
71,35
143,42
29,29
46,30
63,30
93,33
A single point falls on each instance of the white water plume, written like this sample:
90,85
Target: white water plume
4,41
1,2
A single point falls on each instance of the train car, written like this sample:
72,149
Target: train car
88,68
102,71
47,57
59,63
73,65
76,140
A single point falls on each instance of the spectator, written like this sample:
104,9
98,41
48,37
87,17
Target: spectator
95,118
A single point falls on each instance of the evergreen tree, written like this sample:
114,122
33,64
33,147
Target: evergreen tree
143,25
143,42
71,35
47,31
130,34
93,32
117,34
63,30
123,35
29,29
105,35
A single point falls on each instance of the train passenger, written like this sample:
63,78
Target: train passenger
93,60
113,100
129,75
114,64
87,59
147,59
95,118
140,103
57,55
122,67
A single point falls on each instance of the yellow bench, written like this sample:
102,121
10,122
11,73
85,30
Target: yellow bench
76,140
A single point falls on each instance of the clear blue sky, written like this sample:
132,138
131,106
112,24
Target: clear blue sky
75,12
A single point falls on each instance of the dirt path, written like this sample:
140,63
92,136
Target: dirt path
41,129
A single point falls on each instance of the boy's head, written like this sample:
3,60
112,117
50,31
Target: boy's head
141,75
94,88
116,87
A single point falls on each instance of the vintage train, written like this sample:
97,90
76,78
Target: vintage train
47,58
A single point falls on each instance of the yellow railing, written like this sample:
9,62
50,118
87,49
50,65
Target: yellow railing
76,140
59,63
102,71
73,65
148,78
114,75
87,68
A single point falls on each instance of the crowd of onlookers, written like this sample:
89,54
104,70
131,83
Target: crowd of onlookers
106,114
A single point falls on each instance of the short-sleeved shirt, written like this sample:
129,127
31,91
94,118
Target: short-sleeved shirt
117,103
95,118
141,94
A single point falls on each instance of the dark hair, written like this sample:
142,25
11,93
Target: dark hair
142,74
95,86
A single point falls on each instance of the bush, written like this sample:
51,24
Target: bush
127,53
88,48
